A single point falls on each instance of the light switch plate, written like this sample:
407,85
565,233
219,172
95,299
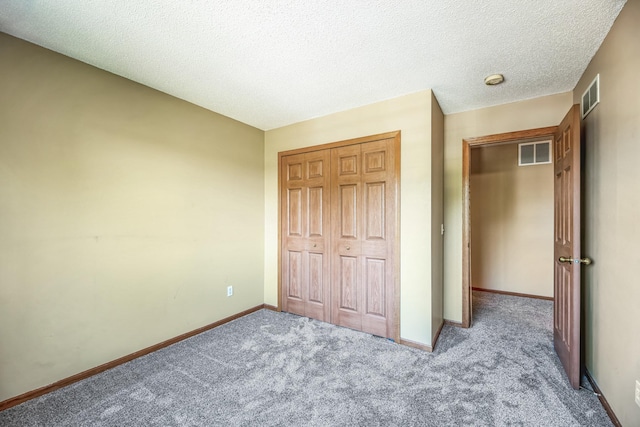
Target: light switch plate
637,392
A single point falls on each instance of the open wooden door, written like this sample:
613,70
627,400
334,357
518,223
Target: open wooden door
567,256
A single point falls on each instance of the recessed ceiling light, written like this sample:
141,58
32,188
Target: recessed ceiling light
494,79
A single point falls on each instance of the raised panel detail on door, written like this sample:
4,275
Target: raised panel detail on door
315,209
375,210
316,169
558,230
348,165
348,211
316,278
374,161
348,283
566,142
294,204
562,317
295,171
295,275
375,278
567,200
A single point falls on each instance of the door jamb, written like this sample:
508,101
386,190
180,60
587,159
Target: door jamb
467,144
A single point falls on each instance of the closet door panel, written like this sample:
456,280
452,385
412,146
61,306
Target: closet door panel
317,178
346,225
378,210
363,186
305,198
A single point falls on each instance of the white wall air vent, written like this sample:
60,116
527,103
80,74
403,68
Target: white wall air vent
534,153
591,96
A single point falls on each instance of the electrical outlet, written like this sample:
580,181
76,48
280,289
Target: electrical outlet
229,291
637,392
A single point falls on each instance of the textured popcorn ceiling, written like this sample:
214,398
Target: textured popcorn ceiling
270,63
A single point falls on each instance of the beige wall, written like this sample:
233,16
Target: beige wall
124,213
437,215
529,114
511,222
611,208
411,115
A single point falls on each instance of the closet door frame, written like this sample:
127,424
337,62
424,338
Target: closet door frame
396,244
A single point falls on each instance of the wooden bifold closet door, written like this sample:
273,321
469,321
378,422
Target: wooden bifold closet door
339,226
305,234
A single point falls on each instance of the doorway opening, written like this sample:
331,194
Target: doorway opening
475,144
512,212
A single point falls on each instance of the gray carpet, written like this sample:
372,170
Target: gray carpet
269,369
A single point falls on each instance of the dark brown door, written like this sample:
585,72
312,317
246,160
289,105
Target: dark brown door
566,312
363,197
305,217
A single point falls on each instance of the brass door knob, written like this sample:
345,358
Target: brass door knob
585,261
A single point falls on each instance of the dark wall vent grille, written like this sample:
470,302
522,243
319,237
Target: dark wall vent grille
534,153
